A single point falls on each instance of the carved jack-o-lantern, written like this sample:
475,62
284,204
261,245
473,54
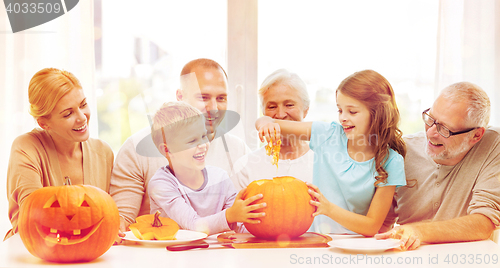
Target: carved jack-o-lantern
71,223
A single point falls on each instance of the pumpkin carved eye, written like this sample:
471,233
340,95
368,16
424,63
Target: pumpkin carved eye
87,202
52,203
55,204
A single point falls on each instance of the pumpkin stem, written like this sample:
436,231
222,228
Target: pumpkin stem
67,181
157,222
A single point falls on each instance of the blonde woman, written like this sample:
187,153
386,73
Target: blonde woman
61,147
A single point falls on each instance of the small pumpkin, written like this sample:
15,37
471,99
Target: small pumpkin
154,227
288,211
70,223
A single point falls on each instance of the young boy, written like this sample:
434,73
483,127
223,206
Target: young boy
198,197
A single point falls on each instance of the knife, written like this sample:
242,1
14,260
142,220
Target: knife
182,247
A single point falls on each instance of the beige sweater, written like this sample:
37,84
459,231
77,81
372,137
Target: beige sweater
34,164
447,192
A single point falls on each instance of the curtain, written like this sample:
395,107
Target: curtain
66,42
469,47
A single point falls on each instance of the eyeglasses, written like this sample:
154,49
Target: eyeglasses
442,130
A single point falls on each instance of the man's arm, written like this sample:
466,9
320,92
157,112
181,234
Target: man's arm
127,184
467,228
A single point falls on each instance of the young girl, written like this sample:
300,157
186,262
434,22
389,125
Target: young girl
359,162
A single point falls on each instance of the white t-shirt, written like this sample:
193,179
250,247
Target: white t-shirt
257,165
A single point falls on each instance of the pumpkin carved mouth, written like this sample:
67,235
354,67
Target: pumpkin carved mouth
64,237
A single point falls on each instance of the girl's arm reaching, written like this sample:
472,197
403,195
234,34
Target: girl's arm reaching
272,129
368,225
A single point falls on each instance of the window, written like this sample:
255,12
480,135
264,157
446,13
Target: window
140,50
326,41
143,47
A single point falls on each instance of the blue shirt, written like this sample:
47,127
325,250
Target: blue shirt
343,181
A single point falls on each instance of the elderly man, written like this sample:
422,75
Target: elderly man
204,86
453,172
283,95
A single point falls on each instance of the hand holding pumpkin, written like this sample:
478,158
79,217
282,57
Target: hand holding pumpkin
241,211
323,206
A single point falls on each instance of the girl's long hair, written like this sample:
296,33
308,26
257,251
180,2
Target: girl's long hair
374,91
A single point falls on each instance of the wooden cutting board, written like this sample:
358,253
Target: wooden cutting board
246,240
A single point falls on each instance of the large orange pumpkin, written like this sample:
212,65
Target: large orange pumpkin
70,223
288,211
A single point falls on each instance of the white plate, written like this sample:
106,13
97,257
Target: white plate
366,245
182,236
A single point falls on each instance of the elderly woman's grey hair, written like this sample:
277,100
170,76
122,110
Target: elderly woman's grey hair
284,77
478,103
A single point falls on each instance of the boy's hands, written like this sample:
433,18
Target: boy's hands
241,211
268,130
323,206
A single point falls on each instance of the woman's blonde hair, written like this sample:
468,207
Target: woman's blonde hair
170,118
376,93
47,87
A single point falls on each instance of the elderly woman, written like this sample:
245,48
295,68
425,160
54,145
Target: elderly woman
61,148
283,95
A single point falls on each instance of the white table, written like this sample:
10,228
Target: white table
14,254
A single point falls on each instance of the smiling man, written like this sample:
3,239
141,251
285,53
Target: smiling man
203,85
453,169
